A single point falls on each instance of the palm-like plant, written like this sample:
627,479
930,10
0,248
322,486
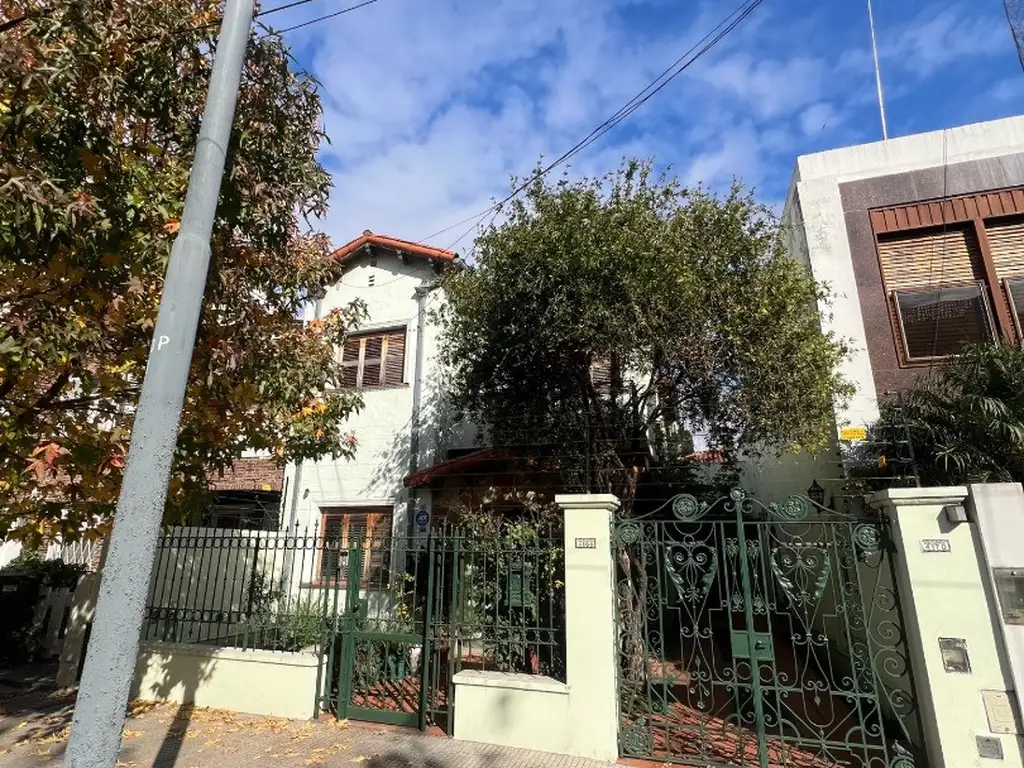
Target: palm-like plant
965,419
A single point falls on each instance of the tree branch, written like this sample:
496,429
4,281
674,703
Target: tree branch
54,389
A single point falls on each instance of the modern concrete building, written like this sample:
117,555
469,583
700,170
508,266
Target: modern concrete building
921,239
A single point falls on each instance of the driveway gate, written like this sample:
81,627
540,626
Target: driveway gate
761,634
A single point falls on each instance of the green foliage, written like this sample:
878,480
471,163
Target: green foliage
100,105
53,573
689,299
964,421
512,586
277,623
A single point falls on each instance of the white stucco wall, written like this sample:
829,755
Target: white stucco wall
383,427
814,216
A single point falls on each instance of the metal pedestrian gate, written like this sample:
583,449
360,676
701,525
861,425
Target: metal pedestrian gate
756,634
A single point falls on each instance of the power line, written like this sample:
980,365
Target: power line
319,18
702,46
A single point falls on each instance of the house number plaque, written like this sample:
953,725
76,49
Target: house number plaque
935,545
586,543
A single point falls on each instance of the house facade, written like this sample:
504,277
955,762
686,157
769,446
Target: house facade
921,240
403,426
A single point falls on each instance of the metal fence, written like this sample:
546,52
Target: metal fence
492,602
245,589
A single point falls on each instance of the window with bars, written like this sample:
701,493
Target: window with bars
374,360
936,322
345,530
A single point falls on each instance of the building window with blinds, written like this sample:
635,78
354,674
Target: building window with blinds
374,360
938,298
362,532
938,322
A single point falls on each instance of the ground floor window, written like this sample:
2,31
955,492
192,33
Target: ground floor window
366,530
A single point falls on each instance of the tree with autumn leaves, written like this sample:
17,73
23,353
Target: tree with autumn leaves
100,105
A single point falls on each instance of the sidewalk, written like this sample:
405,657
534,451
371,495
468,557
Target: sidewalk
34,724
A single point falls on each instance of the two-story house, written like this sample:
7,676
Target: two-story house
402,427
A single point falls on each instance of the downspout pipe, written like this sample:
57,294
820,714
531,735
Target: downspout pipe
421,292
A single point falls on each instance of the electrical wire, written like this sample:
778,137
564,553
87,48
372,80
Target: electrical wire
319,18
680,65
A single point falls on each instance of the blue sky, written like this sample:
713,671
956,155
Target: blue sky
432,105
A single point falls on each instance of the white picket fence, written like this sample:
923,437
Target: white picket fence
78,552
52,619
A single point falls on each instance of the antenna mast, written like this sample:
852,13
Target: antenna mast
878,71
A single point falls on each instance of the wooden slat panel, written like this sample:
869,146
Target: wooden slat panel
1006,242
937,258
394,362
878,221
984,208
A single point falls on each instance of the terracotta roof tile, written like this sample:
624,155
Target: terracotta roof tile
395,244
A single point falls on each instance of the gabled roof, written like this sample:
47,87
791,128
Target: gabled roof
368,238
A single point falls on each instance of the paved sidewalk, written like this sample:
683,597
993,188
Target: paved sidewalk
34,723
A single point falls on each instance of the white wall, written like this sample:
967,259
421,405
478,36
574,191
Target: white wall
383,428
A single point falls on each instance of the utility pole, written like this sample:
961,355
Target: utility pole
114,643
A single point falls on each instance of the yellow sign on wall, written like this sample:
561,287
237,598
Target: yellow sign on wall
853,433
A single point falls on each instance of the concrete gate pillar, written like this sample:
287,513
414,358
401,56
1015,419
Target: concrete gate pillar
952,631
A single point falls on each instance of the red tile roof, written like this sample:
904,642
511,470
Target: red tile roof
395,244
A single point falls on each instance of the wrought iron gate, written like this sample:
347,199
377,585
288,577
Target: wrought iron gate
761,634
375,659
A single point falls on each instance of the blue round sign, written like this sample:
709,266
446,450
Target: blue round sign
422,518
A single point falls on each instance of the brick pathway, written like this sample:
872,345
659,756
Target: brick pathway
34,725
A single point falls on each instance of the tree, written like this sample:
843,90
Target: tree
604,311
100,104
962,422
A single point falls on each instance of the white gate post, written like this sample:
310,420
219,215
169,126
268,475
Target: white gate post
591,654
950,624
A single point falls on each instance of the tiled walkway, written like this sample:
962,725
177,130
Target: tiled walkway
34,726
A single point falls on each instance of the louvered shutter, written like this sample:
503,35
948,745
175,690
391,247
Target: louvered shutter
332,546
933,259
601,377
394,359
350,363
373,358
1006,243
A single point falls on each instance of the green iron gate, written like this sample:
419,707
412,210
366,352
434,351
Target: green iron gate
761,635
376,650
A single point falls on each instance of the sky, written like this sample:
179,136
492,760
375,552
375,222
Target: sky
433,105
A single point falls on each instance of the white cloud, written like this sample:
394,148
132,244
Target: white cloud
431,107
931,42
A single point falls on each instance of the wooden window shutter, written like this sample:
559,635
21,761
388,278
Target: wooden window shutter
1006,243
932,259
373,359
394,359
350,362
332,546
601,377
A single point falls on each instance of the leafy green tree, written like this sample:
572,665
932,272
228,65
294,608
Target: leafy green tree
100,104
963,422
604,315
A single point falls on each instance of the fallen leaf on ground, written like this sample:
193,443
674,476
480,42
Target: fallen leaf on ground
126,734
54,738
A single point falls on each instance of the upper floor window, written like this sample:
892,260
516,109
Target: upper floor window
1015,295
938,298
374,359
937,322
